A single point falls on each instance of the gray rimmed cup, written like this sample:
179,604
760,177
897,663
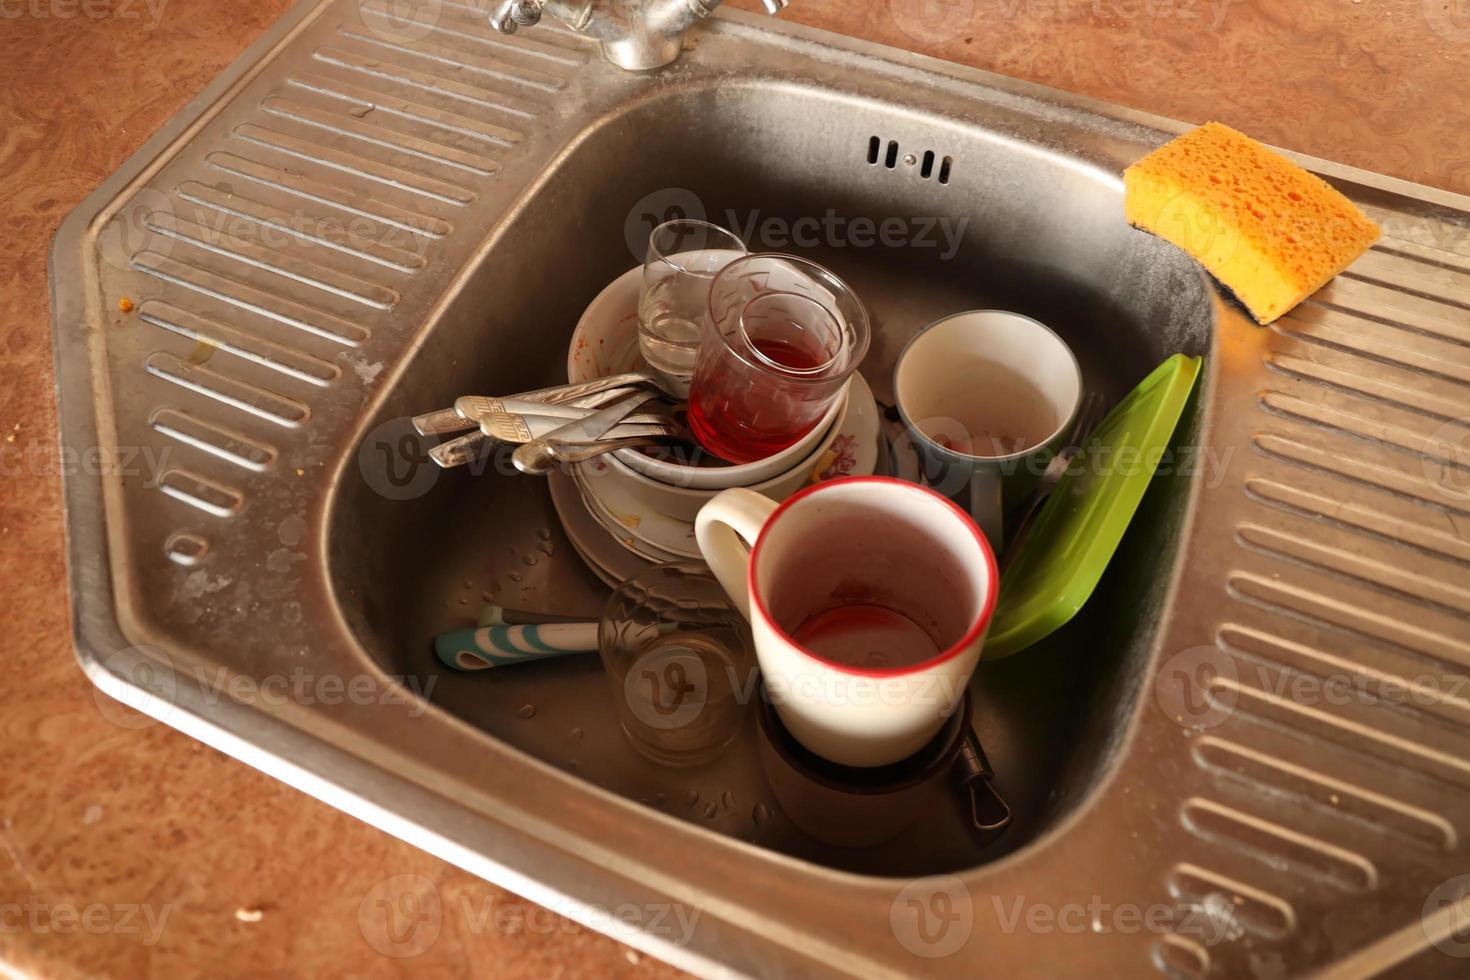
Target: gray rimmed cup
987,397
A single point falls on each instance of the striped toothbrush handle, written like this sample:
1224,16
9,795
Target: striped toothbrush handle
498,646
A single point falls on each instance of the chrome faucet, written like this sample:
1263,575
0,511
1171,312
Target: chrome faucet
636,34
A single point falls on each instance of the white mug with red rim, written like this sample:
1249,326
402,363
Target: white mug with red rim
869,599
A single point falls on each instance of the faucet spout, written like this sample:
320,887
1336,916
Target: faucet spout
508,15
638,35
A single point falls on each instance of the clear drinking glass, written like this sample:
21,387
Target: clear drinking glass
682,261
782,337
680,661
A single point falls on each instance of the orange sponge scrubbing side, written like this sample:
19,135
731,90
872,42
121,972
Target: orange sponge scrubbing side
1270,231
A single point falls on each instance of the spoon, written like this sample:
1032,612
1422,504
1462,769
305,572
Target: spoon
581,452
535,457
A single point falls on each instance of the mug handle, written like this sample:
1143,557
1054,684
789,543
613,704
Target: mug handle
986,505
726,529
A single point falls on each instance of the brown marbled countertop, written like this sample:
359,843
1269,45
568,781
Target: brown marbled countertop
130,850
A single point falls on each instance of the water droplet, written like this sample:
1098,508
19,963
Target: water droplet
291,530
692,798
527,711
727,799
760,814
529,559
515,576
463,601
575,735
544,534
710,810
467,583
547,548
487,596
515,550
661,798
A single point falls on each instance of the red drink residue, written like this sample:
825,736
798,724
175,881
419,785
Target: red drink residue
791,356
865,635
745,415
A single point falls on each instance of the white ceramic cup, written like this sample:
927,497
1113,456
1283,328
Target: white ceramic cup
862,541
979,372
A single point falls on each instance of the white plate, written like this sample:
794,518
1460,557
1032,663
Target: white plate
627,515
646,539
609,558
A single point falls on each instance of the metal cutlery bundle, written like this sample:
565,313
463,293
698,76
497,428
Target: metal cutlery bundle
564,424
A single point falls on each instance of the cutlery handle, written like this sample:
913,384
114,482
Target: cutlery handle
571,392
474,406
562,394
468,408
442,422
458,452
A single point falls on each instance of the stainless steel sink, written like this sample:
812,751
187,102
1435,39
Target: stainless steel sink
368,215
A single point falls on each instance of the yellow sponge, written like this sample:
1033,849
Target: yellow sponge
1270,231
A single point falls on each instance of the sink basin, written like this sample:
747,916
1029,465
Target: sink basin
368,216
1122,299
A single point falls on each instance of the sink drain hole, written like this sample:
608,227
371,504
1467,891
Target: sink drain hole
926,164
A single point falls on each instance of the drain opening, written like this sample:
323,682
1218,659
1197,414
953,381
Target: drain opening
926,164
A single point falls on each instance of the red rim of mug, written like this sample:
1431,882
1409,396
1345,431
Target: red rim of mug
973,633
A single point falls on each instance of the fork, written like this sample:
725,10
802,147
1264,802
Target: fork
1092,412
1089,416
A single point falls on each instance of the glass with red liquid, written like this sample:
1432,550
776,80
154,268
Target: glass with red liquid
782,337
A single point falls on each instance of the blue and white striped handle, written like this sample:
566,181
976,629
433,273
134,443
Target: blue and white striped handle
498,646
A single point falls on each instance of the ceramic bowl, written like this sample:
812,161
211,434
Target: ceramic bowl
606,342
849,448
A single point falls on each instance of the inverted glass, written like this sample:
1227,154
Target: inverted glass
682,260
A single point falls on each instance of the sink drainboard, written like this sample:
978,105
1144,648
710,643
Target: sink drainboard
1254,733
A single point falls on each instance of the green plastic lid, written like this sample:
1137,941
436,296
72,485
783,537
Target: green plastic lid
1080,525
